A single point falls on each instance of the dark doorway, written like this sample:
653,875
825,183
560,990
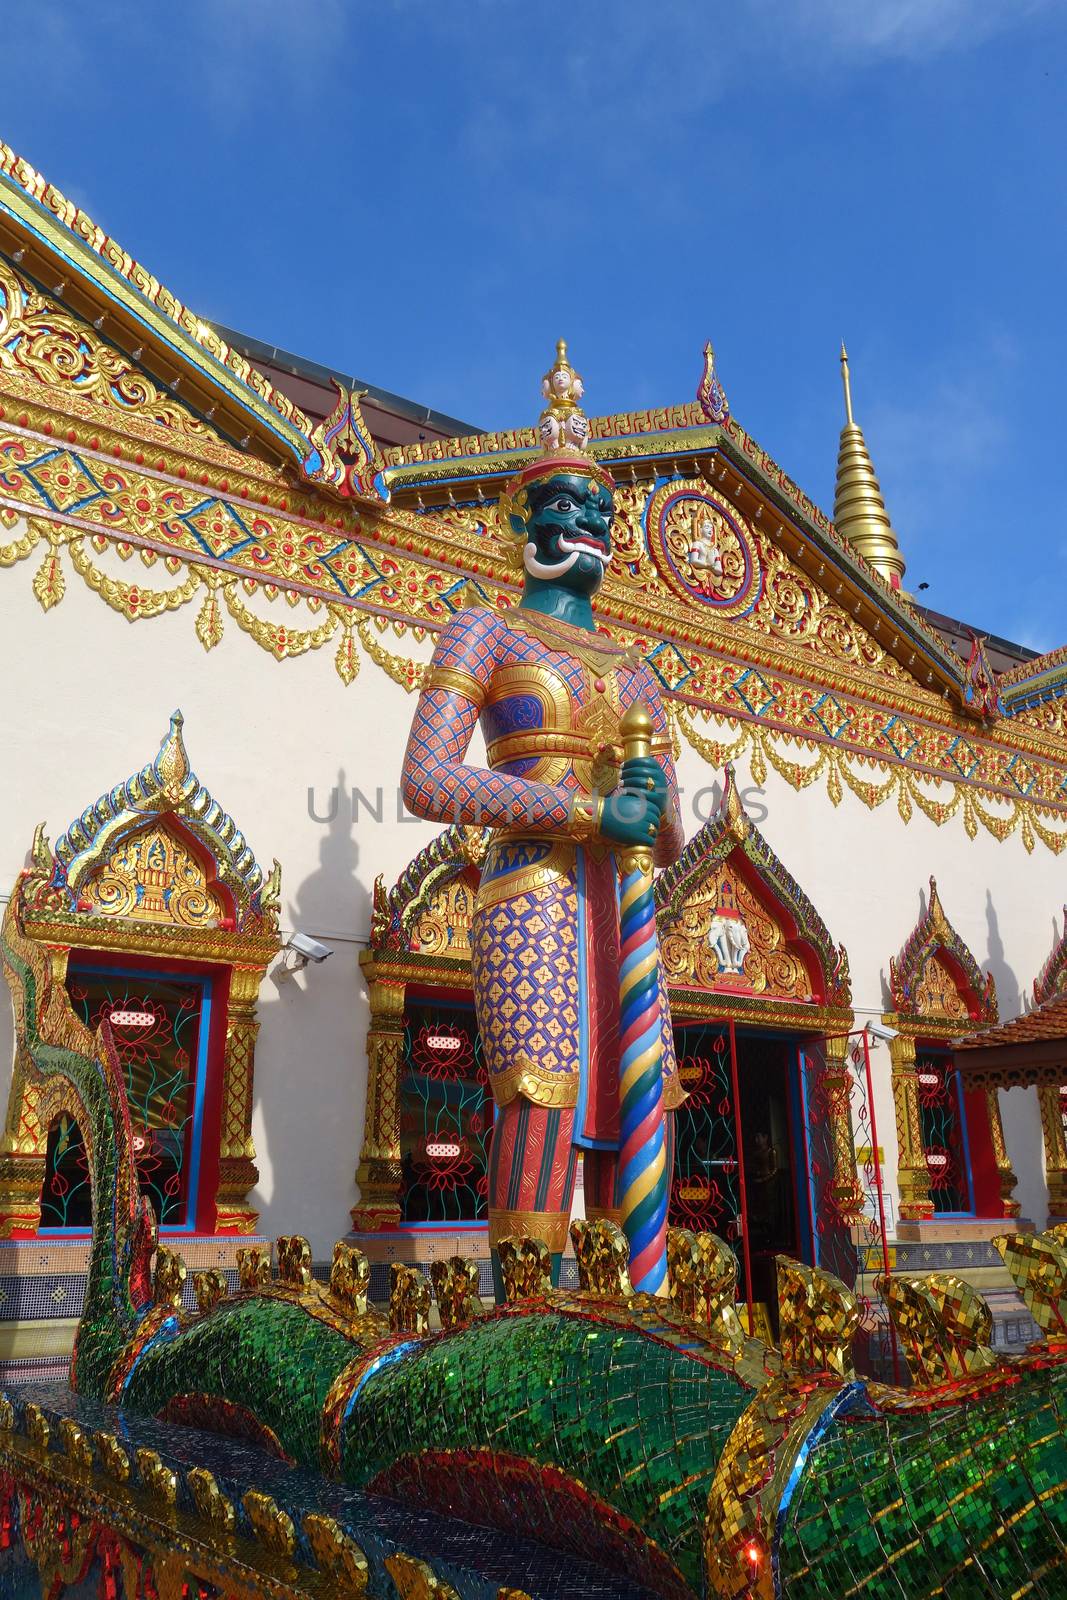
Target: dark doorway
772,1156
706,1189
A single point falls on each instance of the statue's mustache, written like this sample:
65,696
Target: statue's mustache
557,569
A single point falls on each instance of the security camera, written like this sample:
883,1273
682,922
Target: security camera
878,1030
306,949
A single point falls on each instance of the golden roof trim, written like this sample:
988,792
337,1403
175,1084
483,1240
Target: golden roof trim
55,234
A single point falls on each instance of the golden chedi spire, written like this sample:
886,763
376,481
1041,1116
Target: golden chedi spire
859,510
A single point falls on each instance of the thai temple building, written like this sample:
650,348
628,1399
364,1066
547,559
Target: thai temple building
224,573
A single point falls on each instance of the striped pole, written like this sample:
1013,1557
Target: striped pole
643,1156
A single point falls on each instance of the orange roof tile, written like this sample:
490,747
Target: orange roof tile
1047,1022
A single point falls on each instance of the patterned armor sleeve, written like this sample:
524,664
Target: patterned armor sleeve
437,783
671,841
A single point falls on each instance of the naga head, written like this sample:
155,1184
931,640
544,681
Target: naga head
561,505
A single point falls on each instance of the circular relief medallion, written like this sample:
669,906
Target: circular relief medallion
703,548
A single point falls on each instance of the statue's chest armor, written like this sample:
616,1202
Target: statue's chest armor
553,716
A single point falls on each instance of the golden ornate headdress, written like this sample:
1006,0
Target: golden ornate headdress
563,429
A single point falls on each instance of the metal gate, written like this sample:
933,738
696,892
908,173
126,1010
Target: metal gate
850,1240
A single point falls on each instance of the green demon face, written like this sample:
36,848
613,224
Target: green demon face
568,531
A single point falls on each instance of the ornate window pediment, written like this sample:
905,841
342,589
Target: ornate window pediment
429,909
733,920
936,977
156,870
153,875
157,848
1052,979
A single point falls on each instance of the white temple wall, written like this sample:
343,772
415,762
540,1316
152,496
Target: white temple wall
88,700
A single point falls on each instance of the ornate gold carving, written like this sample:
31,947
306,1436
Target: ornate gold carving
415,1580
702,1270
938,994
515,866
913,1175
214,1506
410,675
836,1085
271,1525
120,884
603,1254
455,1287
160,1481
944,1324
349,1279
409,1300
113,1457
253,1268
444,928
337,1553
378,1174
153,877
703,948
36,1425
168,1281
525,1266
1023,799
545,1228
586,812
294,1260
40,338
817,1319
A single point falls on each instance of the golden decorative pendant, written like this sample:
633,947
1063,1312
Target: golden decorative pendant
577,642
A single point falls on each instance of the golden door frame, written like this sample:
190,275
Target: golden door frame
420,938
158,871
938,992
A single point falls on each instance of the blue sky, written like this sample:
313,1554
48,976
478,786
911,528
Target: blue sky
427,193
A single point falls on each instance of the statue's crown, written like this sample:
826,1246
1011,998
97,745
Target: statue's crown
563,430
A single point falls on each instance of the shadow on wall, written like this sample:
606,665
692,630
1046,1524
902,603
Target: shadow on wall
1019,1109
309,1081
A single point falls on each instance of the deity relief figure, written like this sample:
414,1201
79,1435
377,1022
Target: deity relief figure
704,554
550,693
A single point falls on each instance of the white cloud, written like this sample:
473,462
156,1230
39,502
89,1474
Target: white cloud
887,29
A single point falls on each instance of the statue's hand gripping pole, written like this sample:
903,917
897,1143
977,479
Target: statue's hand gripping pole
643,1177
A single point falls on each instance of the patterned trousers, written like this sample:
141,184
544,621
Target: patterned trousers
532,1163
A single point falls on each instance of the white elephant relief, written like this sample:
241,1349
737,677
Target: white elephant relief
728,937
